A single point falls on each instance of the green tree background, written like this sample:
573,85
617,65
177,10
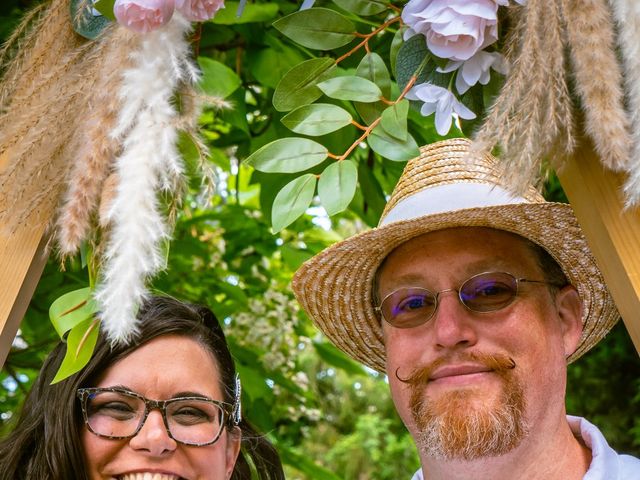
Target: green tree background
329,417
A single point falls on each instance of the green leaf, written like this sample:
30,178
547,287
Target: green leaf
105,7
389,147
253,12
288,155
71,309
363,7
305,464
396,43
237,116
351,88
337,185
336,358
292,201
294,257
269,65
372,67
217,78
410,57
85,23
80,345
317,119
394,120
317,28
374,200
299,85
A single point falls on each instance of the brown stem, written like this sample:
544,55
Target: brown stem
366,133
374,124
357,125
367,36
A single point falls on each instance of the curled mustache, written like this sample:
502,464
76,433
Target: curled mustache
499,363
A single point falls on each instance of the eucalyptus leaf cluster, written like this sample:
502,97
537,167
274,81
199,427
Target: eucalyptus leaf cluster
345,107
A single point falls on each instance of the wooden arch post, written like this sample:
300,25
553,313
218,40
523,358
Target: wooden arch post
613,233
22,259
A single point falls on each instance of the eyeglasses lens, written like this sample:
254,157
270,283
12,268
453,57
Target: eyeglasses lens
487,292
117,414
408,307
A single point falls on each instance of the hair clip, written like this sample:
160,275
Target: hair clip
237,404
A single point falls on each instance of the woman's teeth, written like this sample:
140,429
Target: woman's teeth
148,476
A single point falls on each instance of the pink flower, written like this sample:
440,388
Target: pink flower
455,29
143,15
199,10
442,102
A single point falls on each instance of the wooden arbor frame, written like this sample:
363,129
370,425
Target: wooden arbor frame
595,194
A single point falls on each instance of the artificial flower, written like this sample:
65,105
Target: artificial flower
442,102
454,29
143,16
199,10
476,69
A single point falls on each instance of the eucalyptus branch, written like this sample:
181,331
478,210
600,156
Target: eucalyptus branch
367,37
374,124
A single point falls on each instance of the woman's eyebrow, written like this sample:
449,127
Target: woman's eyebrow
118,387
189,393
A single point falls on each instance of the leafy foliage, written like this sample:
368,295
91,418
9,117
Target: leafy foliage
329,417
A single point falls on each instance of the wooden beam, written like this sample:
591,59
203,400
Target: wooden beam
22,259
613,233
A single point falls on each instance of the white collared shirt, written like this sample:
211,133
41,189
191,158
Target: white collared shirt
606,463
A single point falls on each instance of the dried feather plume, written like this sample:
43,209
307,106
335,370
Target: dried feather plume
40,87
99,118
149,161
598,79
533,116
627,16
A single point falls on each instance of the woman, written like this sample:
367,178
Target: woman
166,407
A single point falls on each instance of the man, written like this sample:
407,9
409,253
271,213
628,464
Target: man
473,301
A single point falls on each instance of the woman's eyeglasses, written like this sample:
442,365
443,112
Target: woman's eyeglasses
486,292
116,413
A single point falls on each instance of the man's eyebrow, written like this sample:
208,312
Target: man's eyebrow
488,265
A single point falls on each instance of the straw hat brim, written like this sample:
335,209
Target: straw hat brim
336,286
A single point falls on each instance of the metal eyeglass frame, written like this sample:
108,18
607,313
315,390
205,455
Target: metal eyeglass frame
436,295
83,395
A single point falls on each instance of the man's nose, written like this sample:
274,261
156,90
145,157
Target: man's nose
452,323
153,438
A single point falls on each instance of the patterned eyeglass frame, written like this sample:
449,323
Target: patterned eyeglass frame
228,410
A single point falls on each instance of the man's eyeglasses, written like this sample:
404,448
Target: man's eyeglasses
116,413
486,292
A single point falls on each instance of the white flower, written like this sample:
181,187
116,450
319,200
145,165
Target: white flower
454,29
476,69
442,102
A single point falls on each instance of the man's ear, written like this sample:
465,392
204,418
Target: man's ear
569,308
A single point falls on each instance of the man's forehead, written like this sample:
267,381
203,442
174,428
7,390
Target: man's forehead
500,248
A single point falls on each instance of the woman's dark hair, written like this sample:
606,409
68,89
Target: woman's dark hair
45,443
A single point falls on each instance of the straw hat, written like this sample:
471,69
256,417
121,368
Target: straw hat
445,187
